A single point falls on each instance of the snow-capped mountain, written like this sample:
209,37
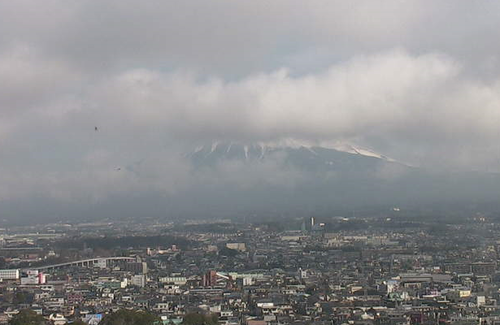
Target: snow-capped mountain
299,154
260,150
293,176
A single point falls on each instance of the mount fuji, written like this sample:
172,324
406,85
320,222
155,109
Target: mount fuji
293,153
323,177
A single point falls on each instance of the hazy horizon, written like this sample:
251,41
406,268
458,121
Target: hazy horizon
103,103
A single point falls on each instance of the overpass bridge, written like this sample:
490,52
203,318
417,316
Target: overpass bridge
101,262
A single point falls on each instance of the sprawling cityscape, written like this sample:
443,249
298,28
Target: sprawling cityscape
249,162
340,270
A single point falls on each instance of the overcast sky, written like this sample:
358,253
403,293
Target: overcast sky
418,81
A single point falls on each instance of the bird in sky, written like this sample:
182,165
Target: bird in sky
96,128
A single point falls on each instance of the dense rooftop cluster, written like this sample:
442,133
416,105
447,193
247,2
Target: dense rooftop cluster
377,270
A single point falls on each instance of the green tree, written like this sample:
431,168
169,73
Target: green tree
19,298
130,317
224,251
199,319
27,317
78,322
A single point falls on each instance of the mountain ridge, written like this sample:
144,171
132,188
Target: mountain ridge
259,150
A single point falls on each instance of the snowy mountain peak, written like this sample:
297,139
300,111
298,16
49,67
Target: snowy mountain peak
259,150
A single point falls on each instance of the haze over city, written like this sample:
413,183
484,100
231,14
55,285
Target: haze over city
262,162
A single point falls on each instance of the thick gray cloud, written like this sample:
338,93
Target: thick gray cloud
416,80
